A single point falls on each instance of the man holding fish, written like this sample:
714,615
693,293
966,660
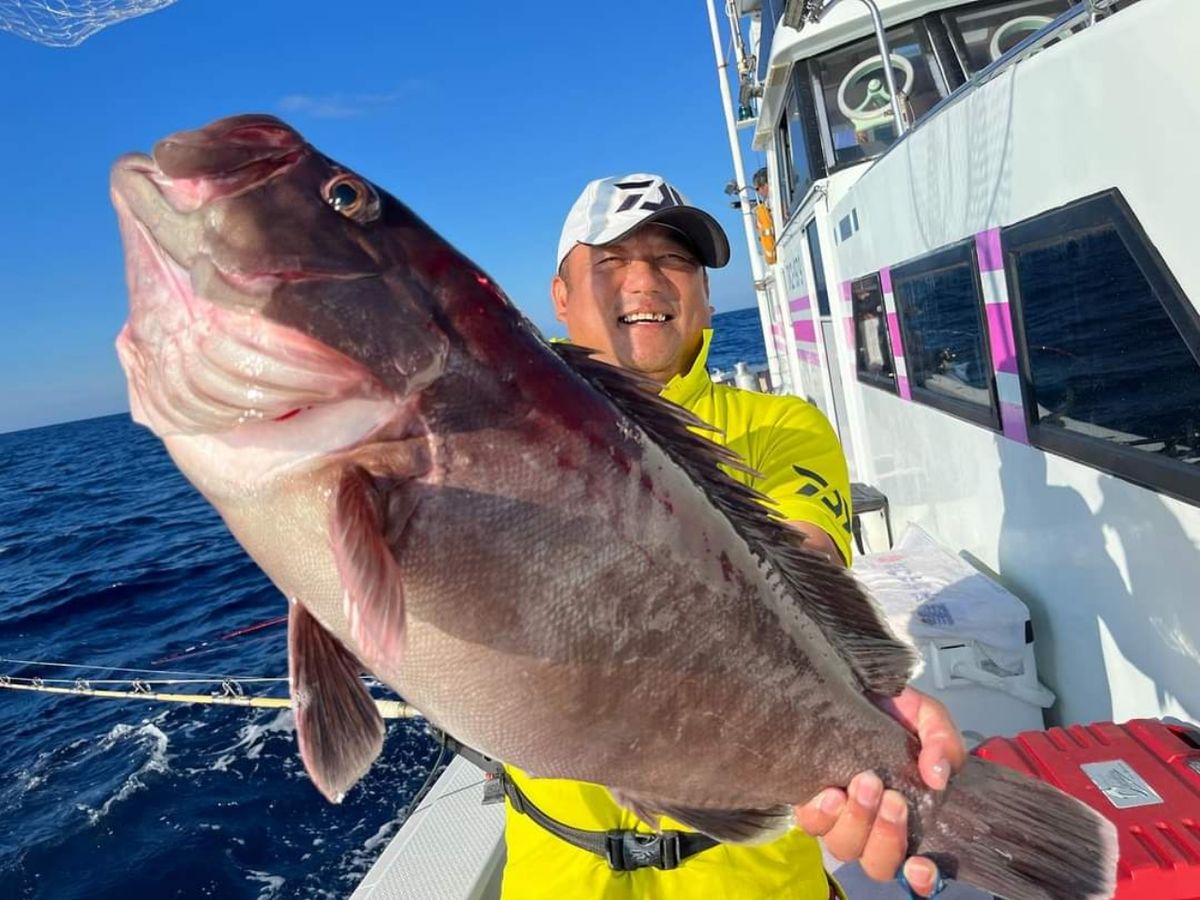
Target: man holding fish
538,551
632,284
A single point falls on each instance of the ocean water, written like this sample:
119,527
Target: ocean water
109,558
737,337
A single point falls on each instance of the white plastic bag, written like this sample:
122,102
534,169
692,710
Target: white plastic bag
927,592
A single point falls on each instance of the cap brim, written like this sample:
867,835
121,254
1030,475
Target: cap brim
705,232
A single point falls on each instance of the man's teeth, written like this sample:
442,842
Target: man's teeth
643,317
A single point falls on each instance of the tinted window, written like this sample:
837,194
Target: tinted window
872,345
793,142
1111,345
854,91
945,344
984,32
814,249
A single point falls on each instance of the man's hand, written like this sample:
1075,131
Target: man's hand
871,824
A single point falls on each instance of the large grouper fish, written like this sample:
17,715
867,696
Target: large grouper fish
530,546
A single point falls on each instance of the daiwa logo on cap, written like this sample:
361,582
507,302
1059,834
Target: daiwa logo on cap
642,195
610,208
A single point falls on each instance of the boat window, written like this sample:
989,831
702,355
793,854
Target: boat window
854,90
940,306
1110,344
795,143
982,33
814,251
873,347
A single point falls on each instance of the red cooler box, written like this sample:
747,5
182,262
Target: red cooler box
1144,776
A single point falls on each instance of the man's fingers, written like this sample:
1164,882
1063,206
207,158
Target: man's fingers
921,875
942,749
934,763
818,816
887,844
848,836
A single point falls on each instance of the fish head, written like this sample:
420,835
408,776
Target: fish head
278,300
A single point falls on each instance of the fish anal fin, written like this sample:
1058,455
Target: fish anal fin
368,518
338,726
826,592
730,826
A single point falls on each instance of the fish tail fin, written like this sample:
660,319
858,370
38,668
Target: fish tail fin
1020,838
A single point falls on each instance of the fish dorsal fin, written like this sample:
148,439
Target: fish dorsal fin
828,593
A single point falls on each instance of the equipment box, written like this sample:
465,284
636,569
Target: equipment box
1144,776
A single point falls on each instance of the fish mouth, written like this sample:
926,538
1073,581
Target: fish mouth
189,169
198,352
196,367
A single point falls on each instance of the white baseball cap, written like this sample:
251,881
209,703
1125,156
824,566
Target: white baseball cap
610,208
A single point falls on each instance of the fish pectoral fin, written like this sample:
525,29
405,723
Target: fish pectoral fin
730,826
369,515
338,726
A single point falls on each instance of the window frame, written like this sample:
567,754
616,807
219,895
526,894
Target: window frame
799,88
953,256
1093,213
887,383
923,31
816,256
954,34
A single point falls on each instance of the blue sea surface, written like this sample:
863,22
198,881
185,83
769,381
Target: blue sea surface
109,558
737,337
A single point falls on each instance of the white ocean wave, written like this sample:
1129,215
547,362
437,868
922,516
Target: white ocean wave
355,864
223,761
154,740
272,884
252,738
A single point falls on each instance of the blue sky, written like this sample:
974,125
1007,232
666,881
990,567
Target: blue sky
486,118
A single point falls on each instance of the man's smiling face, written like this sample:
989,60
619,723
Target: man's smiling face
641,302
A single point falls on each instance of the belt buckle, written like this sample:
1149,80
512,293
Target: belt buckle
629,850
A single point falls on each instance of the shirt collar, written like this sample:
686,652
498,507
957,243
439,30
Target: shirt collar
682,389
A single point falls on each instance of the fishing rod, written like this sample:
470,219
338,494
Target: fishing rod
230,692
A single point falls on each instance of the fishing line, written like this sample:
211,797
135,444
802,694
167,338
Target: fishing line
203,646
37,662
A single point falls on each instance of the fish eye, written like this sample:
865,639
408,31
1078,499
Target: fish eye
353,198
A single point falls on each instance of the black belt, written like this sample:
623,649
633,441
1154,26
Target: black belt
623,849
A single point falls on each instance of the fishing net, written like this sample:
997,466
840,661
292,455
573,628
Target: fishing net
68,23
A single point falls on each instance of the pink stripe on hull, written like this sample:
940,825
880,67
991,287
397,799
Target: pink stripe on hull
805,331
846,293
850,330
989,250
903,388
1012,421
800,304
894,334
885,279
1000,338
